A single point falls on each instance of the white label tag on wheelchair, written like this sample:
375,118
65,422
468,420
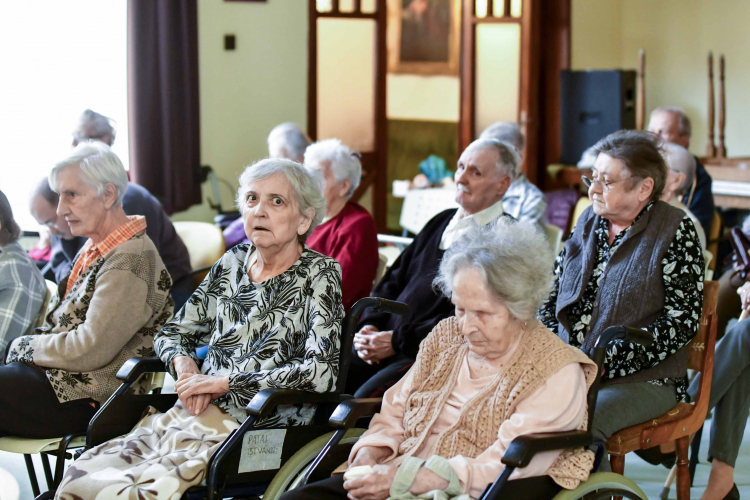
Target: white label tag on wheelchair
261,450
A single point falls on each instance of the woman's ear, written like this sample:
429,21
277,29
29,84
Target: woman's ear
305,221
110,195
647,187
346,184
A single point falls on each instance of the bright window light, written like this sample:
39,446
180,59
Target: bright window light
57,59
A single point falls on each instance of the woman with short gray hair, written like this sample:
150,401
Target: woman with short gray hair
483,377
348,233
632,260
681,165
270,312
106,310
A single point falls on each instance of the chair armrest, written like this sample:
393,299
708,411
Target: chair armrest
522,449
265,401
135,367
348,412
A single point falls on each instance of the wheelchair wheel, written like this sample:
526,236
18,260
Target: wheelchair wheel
294,469
604,485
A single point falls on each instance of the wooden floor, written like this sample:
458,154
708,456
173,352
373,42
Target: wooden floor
648,477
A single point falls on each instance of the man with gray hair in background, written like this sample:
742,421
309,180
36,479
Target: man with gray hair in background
522,200
386,345
673,125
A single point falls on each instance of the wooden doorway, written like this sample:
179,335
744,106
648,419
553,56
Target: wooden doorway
347,88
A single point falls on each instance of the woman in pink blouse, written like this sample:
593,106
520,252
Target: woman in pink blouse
482,378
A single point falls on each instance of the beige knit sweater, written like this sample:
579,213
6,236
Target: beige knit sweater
539,355
110,315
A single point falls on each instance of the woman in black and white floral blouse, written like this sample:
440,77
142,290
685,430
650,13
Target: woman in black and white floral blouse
270,312
635,261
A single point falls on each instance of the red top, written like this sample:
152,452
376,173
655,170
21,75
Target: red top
351,239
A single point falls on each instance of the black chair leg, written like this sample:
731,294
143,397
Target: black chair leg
47,495
47,470
32,475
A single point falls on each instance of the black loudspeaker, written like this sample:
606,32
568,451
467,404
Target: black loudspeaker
593,104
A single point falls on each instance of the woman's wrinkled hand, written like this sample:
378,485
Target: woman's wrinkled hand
370,455
425,481
185,364
375,486
196,391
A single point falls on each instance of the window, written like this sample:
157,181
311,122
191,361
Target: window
57,59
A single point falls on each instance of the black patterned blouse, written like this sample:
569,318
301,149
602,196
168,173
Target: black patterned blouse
282,333
683,271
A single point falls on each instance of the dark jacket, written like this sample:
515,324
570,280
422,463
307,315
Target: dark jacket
702,205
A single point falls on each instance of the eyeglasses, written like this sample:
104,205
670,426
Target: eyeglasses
605,184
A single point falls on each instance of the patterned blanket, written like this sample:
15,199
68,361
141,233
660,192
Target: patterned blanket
163,456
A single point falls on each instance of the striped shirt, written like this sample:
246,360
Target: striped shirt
90,252
22,293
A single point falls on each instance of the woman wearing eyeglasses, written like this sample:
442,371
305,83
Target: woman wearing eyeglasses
636,261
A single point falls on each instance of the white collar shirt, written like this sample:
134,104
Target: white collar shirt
458,225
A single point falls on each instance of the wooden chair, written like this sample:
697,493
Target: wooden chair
713,238
685,418
205,244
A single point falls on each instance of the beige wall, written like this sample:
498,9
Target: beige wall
677,35
429,98
246,92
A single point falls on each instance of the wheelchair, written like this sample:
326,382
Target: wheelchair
600,485
222,479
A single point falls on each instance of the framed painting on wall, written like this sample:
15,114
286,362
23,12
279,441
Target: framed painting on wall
424,36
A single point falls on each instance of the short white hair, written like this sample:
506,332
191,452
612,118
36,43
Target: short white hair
680,159
289,136
508,160
506,132
344,163
307,184
95,126
99,166
683,124
514,259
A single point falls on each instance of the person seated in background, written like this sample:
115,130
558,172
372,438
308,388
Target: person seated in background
137,201
636,261
673,125
270,312
106,311
348,232
22,287
522,200
93,126
680,174
482,378
730,402
386,345
285,141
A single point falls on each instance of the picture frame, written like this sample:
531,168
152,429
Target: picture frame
424,36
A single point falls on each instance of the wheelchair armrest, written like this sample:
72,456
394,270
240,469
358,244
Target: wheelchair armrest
265,401
135,367
522,449
348,412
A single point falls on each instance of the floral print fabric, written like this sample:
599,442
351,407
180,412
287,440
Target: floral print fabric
682,271
163,456
282,333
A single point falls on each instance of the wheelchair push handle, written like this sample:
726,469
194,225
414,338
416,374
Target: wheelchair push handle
380,305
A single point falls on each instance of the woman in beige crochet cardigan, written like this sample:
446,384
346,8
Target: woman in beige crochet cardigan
482,378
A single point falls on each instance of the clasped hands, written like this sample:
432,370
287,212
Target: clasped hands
372,345
377,485
194,389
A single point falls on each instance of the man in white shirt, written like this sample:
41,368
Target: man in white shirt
522,200
387,344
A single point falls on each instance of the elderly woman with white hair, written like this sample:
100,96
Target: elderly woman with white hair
270,312
105,312
680,175
348,232
482,378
